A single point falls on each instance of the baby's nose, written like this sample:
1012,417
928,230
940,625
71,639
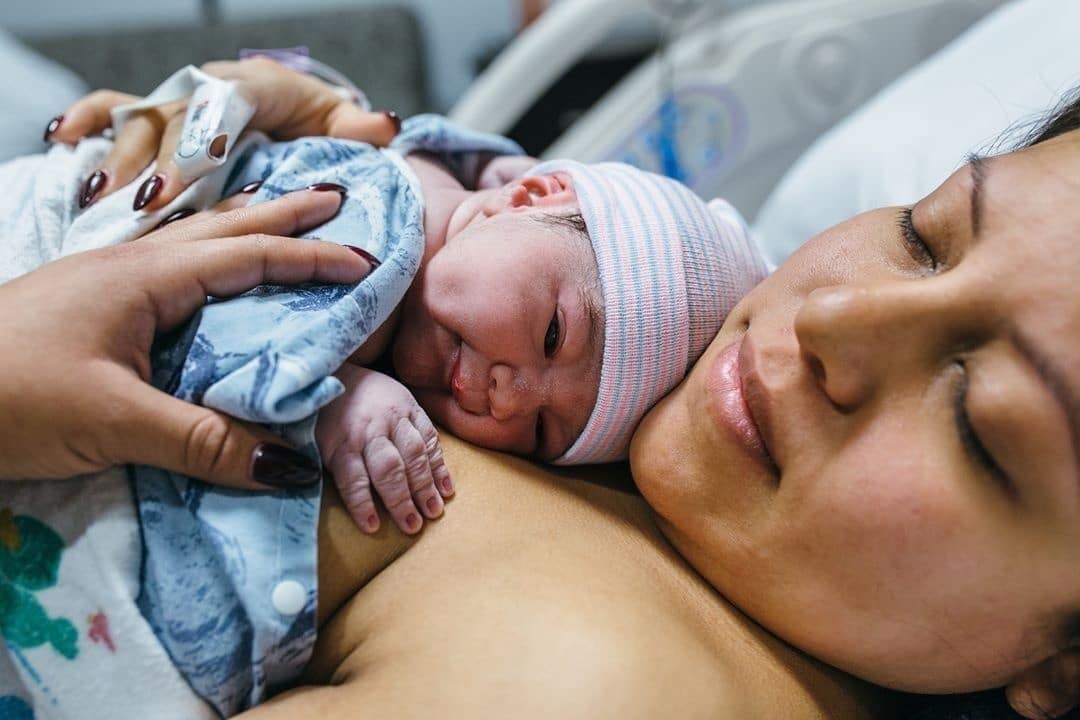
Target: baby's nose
510,393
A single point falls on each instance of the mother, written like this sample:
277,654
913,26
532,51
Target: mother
875,460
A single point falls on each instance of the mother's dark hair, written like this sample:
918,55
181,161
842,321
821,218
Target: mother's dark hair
1063,118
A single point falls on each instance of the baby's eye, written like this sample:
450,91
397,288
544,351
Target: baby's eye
918,249
551,338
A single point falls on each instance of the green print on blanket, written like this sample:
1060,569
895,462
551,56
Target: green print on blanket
29,560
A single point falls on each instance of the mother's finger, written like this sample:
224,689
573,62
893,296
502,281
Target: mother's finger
178,280
232,202
238,199
163,431
229,266
291,105
132,152
165,184
348,121
87,116
289,214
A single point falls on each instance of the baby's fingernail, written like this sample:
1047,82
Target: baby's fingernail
394,119
372,260
178,215
92,187
251,187
433,505
148,191
52,127
329,186
412,521
282,467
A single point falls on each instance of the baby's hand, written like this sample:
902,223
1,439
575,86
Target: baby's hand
376,435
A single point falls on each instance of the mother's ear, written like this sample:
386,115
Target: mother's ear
1048,690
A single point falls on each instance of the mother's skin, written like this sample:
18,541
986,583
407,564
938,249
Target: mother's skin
540,595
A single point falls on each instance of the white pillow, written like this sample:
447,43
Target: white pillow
1009,67
33,92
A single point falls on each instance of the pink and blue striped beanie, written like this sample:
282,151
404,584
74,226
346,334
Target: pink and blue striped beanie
671,268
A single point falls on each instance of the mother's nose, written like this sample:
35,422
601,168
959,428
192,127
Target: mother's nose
511,392
854,338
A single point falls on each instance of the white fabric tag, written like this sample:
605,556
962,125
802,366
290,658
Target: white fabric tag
216,108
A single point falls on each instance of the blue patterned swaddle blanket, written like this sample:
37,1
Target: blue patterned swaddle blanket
218,563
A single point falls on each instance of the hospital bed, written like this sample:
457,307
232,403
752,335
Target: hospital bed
733,99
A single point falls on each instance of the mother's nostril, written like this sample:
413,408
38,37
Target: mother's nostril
817,368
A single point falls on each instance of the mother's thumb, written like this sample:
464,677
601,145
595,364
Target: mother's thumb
209,445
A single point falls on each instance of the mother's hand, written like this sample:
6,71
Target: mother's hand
75,339
288,105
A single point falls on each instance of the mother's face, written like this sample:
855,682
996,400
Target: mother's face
877,456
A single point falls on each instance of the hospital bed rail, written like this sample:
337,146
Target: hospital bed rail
736,96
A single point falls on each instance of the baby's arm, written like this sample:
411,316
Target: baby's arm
376,436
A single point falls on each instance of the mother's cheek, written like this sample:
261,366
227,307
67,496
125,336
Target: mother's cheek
896,508
662,460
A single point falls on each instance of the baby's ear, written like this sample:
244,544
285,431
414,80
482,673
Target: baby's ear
1048,690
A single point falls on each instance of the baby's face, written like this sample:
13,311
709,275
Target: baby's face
501,337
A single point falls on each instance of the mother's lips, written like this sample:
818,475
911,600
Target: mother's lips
736,400
757,398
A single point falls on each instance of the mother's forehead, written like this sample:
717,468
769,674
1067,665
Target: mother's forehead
1024,206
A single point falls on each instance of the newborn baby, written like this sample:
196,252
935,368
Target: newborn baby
531,326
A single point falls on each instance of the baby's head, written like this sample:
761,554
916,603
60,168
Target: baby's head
565,304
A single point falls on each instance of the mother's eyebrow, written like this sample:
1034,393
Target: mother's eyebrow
980,166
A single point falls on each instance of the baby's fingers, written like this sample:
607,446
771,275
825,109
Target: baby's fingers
430,436
354,485
408,441
387,471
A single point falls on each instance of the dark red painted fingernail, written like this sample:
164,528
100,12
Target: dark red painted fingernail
281,467
326,187
251,187
178,215
412,521
52,127
394,119
372,260
92,187
148,191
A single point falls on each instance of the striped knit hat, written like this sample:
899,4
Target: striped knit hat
671,268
